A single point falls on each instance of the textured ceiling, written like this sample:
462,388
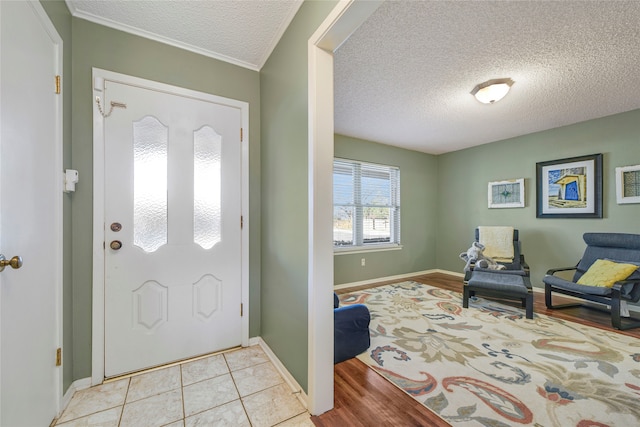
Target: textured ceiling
404,77
242,32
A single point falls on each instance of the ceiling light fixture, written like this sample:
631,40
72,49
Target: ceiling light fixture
492,90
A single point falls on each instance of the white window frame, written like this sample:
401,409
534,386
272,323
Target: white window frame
358,221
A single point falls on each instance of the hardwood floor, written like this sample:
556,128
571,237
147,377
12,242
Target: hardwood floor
364,398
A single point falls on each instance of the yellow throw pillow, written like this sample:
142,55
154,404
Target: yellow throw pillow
604,273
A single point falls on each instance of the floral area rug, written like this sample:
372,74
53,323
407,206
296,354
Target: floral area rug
490,366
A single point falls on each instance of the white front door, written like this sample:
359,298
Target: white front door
172,226
30,215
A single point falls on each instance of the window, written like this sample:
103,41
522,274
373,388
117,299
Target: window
366,205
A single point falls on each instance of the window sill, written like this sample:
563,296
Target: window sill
363,249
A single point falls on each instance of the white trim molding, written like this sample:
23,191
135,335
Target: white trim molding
286,375
389,278
365,249
77,385
100,20
341,22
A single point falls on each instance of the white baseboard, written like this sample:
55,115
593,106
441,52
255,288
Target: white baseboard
77,385
288,378
396,277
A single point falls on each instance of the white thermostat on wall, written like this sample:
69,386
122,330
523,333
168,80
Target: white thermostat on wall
70,180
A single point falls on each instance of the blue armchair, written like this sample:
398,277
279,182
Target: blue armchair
351,330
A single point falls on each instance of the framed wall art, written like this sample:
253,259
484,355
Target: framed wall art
506,194
569,188
628,184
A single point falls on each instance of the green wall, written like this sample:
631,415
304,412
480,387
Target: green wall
449,193
418,215
546,243
98,46
444,197
284,100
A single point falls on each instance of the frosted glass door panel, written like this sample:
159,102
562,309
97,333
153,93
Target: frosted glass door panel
207,148
150,139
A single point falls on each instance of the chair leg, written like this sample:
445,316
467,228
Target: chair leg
465,296
616,321
547,296
529,305
547,299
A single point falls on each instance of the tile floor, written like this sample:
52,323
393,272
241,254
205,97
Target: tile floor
237,388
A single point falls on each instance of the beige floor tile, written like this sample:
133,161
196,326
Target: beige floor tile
245,357
272,406
231,414
204,369
154,382
95,399
302,420
154,411
256,378
208,394
108,418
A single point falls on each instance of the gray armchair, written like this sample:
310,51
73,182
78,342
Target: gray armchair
516,265
512,282
620,247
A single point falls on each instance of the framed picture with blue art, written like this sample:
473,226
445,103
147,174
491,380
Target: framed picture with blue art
569,188
506,194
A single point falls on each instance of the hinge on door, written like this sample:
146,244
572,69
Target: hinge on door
241,309
240,134
58,85
241,222
59,357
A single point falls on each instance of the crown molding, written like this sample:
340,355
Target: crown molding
169,41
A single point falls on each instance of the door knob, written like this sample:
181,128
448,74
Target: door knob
115,245
15,262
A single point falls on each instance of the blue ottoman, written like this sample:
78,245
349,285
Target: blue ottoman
501,283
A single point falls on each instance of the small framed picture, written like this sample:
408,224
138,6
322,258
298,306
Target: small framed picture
506,194
628,184
570,188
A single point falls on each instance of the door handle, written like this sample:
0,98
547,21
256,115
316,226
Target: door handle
15,262
115,245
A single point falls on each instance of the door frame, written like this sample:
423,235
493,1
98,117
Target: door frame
341,22
57,140
98,311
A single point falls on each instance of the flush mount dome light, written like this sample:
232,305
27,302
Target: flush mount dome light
492,90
